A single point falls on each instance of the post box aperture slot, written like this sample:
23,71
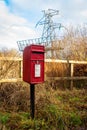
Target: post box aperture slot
37,52
37,55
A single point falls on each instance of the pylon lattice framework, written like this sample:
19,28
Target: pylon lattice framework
49,29
48,33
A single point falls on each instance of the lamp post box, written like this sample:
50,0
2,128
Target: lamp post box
33,64
33,70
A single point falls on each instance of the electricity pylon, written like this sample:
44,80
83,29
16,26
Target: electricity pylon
49,34
49,27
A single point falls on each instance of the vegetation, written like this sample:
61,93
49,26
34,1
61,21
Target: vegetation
54,109
56,106
7,69
73,45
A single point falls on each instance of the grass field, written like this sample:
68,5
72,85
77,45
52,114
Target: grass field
54,109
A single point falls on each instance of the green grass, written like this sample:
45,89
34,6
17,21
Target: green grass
4,117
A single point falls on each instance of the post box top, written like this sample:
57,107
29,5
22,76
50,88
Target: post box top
35,48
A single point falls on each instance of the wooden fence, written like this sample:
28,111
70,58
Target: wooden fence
70,63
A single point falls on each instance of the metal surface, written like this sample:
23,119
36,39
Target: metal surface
49,26
37,41
33,64
32,100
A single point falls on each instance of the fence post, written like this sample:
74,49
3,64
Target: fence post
71,75
0,68
20,68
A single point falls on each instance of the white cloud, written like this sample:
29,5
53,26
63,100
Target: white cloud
84,13
13,28
79,1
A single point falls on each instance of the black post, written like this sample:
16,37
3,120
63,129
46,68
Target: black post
32,100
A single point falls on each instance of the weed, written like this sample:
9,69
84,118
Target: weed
75,99
75,120
4,118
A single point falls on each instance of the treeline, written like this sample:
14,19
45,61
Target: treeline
72,45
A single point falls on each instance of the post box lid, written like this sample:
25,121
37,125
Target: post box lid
37,48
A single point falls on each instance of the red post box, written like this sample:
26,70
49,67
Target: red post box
33,64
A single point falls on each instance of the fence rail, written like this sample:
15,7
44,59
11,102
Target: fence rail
71,64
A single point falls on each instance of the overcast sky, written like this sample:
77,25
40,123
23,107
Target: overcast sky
19,17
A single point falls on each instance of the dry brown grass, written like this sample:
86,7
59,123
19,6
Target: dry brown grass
56,69
14,97
52,107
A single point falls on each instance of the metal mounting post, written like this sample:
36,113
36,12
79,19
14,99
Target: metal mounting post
32,100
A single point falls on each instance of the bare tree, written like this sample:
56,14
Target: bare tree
8,68
73,44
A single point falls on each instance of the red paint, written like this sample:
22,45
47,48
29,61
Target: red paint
33,64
